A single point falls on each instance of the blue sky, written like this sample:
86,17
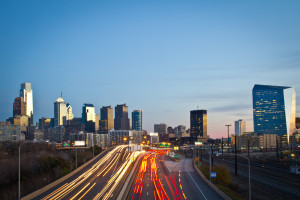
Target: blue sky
164,57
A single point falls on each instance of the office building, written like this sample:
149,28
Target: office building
96,122
88,117
239,127
26,93
274,110
69,115
298,122
161,129
44,123
179,131
116,137
137,120
11,132
60,112
106,119
122,121
198,125
19,107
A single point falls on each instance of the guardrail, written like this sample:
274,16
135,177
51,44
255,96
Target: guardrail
210,184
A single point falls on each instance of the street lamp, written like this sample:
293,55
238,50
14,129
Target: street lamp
125,139
248,172
228,137
19,181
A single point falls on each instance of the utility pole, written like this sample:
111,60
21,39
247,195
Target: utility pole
235,156
228,137
277,148
222,146
210,164
248,148
212,152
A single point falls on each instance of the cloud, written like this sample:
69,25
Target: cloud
230,108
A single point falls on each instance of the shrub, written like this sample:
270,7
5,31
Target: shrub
223,176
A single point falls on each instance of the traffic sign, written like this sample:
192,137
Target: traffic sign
213,174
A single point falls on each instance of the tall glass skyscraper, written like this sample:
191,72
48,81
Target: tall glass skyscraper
198,125
89,117
137,120
274,110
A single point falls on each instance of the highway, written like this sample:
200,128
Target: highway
165,179
101,179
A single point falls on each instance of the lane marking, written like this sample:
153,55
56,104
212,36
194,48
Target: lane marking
197,185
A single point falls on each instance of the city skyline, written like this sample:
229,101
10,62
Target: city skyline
165,59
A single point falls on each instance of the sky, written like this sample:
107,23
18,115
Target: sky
165,57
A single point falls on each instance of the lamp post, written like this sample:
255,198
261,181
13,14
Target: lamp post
19,181
228,137
125,139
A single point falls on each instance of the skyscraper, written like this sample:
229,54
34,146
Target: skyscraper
274,110
26,93
60,112
122,121
88,117
239,127
19,106
106,119
137,120
198,125
69,112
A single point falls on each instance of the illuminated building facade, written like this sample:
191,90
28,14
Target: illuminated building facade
60,112
239,127
198,125
26,93
106,119
19,106
274,110
137,120
88,117
69,112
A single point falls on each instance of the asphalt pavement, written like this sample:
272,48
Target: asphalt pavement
166,179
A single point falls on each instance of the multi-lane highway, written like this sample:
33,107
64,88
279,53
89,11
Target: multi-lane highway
101,179
170,180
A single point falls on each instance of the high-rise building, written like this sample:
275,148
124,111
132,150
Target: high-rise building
122,121
239,127
96,122
161,129
298,122
26,93
198,125
60,112
179,131
44,123
137,120
274,110
88,117
19,106
106,119
69,112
